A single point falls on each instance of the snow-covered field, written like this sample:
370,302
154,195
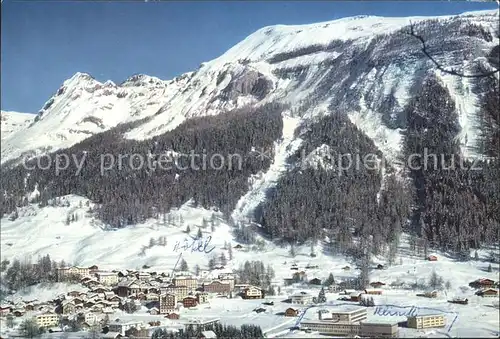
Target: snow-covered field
44,231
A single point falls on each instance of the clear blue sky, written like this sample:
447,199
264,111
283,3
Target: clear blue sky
44,43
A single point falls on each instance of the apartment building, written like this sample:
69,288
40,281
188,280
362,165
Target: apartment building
332,328
47,319
179,291
363,329
190,283
379,330
107,278
350,315
427,321
73,271
168,302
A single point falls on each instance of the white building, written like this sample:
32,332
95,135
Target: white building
107,278
302,298
122,327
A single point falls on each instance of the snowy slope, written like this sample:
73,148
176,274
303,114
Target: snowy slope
81,107
11,122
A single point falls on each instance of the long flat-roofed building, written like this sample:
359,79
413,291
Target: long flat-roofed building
427,321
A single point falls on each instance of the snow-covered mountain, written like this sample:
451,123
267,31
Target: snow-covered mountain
364,68
291,64
11,122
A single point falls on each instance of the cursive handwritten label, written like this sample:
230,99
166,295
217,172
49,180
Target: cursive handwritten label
195,245
396,311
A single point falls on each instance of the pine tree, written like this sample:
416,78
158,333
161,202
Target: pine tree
29,329
321,296
292,250
223,260
199,235
188,230
197,270
184,265
230,251
329,281
489,268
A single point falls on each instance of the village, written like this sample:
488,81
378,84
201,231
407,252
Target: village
136,303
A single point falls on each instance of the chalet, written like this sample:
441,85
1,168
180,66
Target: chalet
112,335
29,307
355,296
76,294
482,283
202,297
219,267
5,309
18,313
462,301
431,294
154,311
253,292
172,316
432,257
346,268
239,288
291,312
154,290
143,276
238,247
380,267
122,327
68,308
138,296
259,310
377,284
92,283
189,302
109,295
167,303
89,304
488,292
99,289
217,287
311,266
302,298
315,281
85,279
373,291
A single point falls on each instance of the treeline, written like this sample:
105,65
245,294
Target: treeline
23,273
128,196
221,331
257,274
